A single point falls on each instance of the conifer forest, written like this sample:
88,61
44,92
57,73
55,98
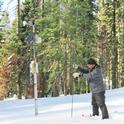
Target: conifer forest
55,35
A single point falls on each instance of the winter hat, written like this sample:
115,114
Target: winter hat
92,61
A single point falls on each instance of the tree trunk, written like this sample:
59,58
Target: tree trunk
115,50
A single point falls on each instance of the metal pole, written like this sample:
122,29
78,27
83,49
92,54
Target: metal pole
18,19
72,106
72,100
35,73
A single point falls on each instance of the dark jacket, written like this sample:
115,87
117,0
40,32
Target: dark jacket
94,79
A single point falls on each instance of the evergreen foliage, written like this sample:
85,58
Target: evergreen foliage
68,32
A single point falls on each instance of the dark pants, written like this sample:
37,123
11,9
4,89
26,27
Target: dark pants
98,101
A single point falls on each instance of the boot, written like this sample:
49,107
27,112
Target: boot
104,112
95,110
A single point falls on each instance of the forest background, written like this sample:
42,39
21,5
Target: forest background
67,32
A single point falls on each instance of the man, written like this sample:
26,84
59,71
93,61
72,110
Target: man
94,77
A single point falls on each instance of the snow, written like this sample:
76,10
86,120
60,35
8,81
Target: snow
57,110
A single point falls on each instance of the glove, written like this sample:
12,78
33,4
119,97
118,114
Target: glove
76,74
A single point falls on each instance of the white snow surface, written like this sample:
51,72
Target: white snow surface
57,110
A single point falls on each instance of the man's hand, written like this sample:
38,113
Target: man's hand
76,74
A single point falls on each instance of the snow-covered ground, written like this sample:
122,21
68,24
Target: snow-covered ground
58,110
